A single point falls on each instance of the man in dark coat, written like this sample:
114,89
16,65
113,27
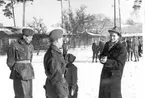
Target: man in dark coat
101,46
140,47
55,67
113,57
71,76
19,57
95,49
129,50
135,48
65,49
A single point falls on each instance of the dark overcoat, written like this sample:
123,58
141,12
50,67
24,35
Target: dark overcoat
55,67
110,82
20,51
101,46
65,49
71,75
94,47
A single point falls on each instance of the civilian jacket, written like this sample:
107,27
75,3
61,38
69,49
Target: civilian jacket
71,75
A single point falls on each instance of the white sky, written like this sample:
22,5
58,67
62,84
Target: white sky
50,10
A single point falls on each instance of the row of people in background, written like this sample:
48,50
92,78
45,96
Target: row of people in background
61,73
97,48
134,48
133,45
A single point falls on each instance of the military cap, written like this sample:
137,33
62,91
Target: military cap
115,30
27,32
56,34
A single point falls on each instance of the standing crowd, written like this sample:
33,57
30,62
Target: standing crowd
133,45
134,48
61,81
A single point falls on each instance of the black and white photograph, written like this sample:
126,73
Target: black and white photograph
72,49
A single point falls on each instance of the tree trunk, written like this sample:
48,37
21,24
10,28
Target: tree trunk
24,2
40,46
13,11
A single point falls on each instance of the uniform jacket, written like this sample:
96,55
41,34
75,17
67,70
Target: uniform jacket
19,51
71,75
55,68
110,84
54,64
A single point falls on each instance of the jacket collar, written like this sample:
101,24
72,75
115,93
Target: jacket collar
112,45
53,47
23,42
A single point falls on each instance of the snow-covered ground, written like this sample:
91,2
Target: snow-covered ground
133,81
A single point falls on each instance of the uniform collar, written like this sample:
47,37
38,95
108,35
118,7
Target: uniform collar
23,42
55,48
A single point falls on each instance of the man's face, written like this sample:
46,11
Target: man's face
28,39
114,37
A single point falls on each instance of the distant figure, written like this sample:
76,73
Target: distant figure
140,47
113,58
65,49
101,46
129,50
55,67
135,48
71,76
19,59
95,49
124,42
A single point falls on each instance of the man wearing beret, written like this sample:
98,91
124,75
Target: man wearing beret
19,58
55,67
113,58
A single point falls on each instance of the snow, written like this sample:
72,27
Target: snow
133,83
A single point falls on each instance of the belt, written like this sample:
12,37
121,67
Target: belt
23,61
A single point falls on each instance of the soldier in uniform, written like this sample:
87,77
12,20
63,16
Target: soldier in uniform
19,58
55,67
113,57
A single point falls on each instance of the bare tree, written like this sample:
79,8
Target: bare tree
38,25
80,22
102,23
9,11
24,6
137,4
130,22
40,28
2,2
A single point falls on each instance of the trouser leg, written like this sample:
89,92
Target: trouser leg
131,55
96,56
23,89
93,56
